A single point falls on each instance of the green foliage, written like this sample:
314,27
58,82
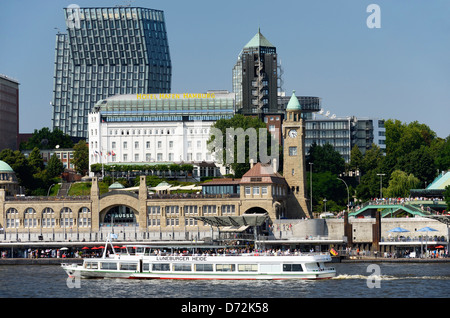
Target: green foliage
447,196
239,121
325,159
400,184
47,139
54,167
81,157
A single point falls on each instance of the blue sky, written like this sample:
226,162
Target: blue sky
399,71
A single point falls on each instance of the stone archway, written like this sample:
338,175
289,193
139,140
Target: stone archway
119,208
256,210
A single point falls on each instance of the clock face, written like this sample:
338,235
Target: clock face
292,133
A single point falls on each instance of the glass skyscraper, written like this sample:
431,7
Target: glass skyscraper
106,52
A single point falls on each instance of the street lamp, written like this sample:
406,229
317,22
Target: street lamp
325,204
310,183
381,183
348,195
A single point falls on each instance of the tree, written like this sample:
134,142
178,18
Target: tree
326,185
373,159
81,157
46,139
401,183
35,160
447,196
19,163
356,158
233,125
420,163
325,159
54,167
442,154
369,187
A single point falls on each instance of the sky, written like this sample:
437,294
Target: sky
400,70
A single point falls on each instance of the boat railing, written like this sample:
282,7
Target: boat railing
253,254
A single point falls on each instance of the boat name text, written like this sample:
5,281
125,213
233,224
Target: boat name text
182,258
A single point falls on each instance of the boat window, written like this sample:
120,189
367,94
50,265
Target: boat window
163,267
247,267
225,268
203,267
182,267
91,265
292,268
108,265
128,266
146,267
270,268
140,249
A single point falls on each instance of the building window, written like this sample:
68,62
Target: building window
255,190
209,209
264,190
125,145
292,151
228,209
247,191
147,145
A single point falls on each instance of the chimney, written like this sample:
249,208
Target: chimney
275,166
251,163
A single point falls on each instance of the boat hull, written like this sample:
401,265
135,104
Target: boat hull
79,271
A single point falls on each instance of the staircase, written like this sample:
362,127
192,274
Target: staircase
64,189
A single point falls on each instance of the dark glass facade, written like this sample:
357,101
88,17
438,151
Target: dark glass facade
255,78
107,52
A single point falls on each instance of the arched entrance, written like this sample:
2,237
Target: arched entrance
255,210
120,215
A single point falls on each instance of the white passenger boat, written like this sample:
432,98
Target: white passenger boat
145,262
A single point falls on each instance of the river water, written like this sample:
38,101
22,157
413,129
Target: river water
354,280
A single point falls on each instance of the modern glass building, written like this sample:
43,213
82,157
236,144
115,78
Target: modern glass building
344,133
9,113
107,52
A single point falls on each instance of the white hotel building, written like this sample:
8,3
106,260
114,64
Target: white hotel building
156,128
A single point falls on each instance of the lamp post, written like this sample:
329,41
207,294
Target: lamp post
310,184
325,204
381,183
348,195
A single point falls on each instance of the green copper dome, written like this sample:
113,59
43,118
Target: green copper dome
258,40
294,104
116,185
4,167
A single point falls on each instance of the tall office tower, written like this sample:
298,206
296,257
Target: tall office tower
9,113
255,79
106,52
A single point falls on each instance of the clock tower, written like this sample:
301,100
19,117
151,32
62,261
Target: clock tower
294,169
